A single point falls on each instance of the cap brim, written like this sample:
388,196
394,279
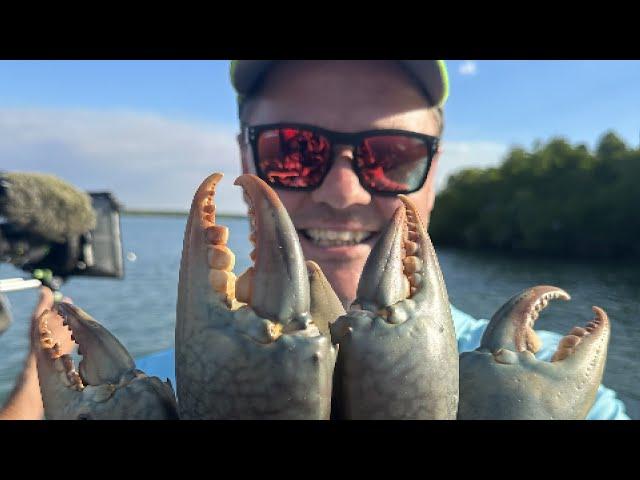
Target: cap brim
431,74
245,74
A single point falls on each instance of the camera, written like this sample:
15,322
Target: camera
96,253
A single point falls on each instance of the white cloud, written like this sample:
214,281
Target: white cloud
468,67
149,161
146,160
459,155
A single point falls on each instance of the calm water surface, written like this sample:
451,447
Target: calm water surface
140,310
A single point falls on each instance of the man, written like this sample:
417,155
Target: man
347,198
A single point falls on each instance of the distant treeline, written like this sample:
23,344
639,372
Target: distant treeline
558,199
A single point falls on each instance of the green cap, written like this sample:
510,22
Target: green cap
430,74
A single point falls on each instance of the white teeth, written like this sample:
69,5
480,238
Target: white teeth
327,237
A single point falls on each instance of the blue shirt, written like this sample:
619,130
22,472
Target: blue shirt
469,333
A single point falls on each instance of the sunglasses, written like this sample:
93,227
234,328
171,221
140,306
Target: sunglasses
293,156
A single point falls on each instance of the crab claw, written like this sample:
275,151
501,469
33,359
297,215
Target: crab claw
385,282
398,353
280,285
105,360
256,346
106,384
502,379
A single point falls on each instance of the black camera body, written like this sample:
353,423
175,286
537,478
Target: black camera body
96,253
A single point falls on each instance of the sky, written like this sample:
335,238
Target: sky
150,131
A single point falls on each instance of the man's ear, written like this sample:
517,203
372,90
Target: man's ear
244,155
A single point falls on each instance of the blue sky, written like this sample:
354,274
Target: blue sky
151,130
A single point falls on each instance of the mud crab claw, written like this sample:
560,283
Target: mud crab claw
511,326
398,355
384,280
106,385
257,346
106,360
503,379
403,265
280,284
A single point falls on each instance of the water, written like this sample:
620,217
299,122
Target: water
140,310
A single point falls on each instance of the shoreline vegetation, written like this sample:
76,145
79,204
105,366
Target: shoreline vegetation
556,200
133,212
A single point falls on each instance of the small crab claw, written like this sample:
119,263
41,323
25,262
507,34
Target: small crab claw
502,379
105,360
398,356
106,384
511,326
255,347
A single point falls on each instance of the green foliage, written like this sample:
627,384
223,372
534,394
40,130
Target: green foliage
558,199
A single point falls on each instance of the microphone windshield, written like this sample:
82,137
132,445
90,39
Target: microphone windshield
45,205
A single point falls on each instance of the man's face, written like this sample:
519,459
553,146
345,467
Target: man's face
345,97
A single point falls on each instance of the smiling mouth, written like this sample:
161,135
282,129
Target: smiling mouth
325,237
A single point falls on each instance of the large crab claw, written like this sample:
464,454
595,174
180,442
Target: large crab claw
106,386
398,353
258,347
502,379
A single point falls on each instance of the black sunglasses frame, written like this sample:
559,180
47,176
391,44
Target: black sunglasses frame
252,134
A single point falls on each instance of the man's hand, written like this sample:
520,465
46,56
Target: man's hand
25,402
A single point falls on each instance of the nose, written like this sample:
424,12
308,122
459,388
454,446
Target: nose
341,187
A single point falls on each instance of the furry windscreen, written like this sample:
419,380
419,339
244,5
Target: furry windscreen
45,205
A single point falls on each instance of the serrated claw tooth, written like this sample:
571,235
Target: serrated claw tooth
412,264
217,235
222,282
220,257
578,331
55,352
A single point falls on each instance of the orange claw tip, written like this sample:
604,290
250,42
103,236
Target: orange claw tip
409,205
313,267
255,186
412,211
600,313
406,200
536,293
211,181
203,199
246,177
215,176
205,188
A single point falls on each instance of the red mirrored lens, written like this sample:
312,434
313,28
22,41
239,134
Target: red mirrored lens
393,163
292,157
